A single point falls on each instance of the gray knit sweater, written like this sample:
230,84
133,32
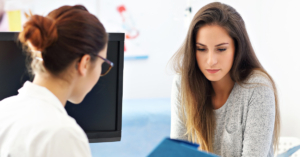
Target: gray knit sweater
244,124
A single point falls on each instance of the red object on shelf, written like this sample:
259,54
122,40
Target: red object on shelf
121,8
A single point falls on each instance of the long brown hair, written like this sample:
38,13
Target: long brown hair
196,90
63,36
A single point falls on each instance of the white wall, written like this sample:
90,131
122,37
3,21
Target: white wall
45,6
161,33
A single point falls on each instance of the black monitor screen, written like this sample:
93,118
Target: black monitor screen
100,113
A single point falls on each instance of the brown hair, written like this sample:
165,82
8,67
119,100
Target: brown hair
64,35
196,90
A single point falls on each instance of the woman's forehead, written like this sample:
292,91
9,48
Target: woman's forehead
212,35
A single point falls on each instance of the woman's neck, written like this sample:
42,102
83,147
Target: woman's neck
222,90
60,88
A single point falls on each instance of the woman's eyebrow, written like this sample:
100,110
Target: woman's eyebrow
200,44
215,46
221,44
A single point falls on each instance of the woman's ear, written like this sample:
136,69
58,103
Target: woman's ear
83,65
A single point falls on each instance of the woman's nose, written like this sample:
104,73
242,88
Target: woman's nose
212,59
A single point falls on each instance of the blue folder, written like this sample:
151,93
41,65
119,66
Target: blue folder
177,148
290,152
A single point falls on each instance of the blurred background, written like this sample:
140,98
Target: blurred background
154,31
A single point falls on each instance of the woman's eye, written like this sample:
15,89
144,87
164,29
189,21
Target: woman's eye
222,50
200,49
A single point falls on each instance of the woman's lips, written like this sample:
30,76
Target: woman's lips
212,71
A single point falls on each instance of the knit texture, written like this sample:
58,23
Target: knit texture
244,124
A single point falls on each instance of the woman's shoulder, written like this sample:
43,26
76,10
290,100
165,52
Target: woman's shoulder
176,92
176,82
258,85
34,113
258,77
177,78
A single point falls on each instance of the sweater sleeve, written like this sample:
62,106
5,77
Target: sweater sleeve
260,122
178,128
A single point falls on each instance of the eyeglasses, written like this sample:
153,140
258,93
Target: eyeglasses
106,67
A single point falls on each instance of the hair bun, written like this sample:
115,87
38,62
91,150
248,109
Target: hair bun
40,31
81,7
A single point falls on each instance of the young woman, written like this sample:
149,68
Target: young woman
222,98
68,48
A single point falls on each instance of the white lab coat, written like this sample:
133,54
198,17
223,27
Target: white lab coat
34,123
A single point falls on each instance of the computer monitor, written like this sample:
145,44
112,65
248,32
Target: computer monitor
99,114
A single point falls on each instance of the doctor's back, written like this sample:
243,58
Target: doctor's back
67,48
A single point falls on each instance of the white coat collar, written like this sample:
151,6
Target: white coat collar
39,92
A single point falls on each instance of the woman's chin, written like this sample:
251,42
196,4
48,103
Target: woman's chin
76,101
213,78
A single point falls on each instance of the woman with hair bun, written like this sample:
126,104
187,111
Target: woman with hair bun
222,97
67,48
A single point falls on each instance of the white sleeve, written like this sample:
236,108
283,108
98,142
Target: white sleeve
68,142
178,128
